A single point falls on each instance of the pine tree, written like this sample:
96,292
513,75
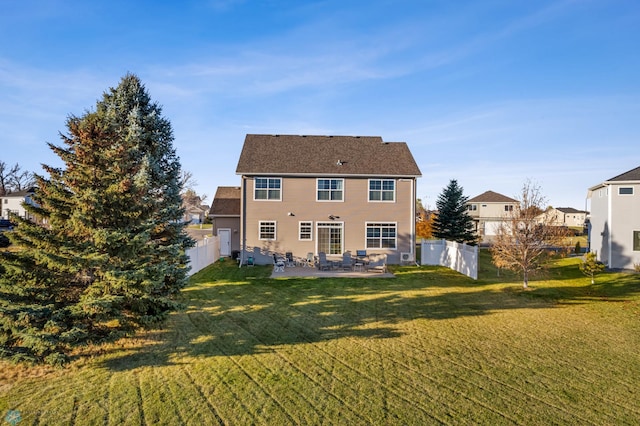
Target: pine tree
452,221
111,255
590,266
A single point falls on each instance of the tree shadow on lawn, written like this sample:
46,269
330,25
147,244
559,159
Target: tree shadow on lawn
253,314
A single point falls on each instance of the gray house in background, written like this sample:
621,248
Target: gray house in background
331,194
225,216
614,230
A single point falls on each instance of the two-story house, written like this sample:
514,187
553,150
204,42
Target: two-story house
488,211
614,230
12,203
331,194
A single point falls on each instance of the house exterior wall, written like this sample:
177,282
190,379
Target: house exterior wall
298,198
614,224
14,205
487,217
560,218
232,223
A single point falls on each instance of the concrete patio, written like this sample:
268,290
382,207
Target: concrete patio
306,272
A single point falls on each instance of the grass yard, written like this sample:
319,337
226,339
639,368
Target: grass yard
427,347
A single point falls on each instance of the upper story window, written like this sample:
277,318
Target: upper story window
267,230
625,190
330,189
472,207
382,190
268,189
305,232
508,208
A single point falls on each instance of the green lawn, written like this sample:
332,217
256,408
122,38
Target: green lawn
429,346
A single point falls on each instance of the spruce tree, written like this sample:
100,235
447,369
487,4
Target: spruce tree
109,253
452,222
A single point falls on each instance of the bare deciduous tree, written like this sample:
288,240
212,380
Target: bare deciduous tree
525,236
13,179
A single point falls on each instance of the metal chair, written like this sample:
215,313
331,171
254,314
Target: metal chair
278,264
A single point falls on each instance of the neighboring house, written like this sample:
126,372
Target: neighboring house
225,216
488,211
566,216
331,194
614,230
12,203
196,214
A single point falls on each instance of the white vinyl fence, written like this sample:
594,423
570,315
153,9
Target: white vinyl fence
459,257
203,254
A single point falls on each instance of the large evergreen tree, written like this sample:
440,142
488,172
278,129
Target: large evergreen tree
452,221
109,254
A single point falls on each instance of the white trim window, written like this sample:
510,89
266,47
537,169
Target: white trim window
382,235
625,190
382,190
330,190
305,231
267,230
267,189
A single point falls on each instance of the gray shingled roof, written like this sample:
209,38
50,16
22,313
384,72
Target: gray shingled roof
570,210
627,176
226,201
325,155
491,197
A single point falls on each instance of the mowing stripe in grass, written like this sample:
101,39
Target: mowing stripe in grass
526,372
270,331
205,398
250,381
359,372
280,388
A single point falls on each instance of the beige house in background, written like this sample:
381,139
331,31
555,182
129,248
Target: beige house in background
225,216
331,194
614,228
566,216
488,211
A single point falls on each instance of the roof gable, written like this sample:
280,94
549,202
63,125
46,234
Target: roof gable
325,155
226,201
633,174
491,197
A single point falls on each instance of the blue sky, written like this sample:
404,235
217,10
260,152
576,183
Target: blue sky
490,93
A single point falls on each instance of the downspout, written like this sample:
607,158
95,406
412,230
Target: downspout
243,227
610,220
413,220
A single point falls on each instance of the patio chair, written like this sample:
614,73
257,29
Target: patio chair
323,263
278,263
347,261
289,257
309,261
377,263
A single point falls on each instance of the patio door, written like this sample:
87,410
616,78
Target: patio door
330,237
